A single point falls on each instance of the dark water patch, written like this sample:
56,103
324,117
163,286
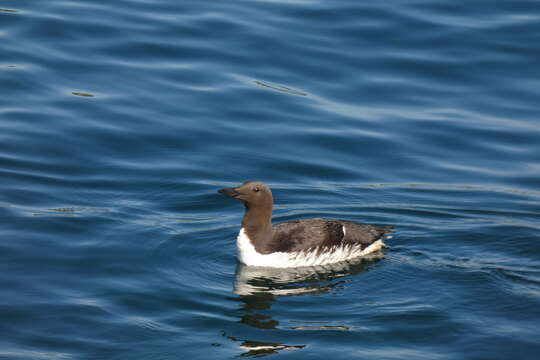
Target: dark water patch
83,94
281,88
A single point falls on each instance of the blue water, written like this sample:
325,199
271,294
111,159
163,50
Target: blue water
119,120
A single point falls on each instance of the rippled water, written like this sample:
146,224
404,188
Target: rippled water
119,120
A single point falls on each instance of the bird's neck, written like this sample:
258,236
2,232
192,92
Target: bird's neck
257,224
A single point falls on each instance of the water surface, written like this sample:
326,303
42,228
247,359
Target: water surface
120,120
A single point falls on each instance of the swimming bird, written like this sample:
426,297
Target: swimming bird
307,242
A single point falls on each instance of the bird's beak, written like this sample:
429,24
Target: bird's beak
232,192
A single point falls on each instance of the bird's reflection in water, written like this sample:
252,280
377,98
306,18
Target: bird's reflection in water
261,348
258,288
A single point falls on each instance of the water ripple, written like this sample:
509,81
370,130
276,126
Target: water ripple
120,120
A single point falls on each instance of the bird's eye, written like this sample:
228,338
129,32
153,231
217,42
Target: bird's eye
256,189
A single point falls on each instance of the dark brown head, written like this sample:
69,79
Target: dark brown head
254,194
257,221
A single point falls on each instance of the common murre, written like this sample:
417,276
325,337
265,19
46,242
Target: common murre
297,243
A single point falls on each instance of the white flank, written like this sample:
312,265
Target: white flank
249,256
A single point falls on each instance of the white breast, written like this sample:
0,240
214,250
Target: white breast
249,256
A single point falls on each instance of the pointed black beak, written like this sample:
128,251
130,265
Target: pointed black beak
229,192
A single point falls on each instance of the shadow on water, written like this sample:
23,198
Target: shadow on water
259,288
